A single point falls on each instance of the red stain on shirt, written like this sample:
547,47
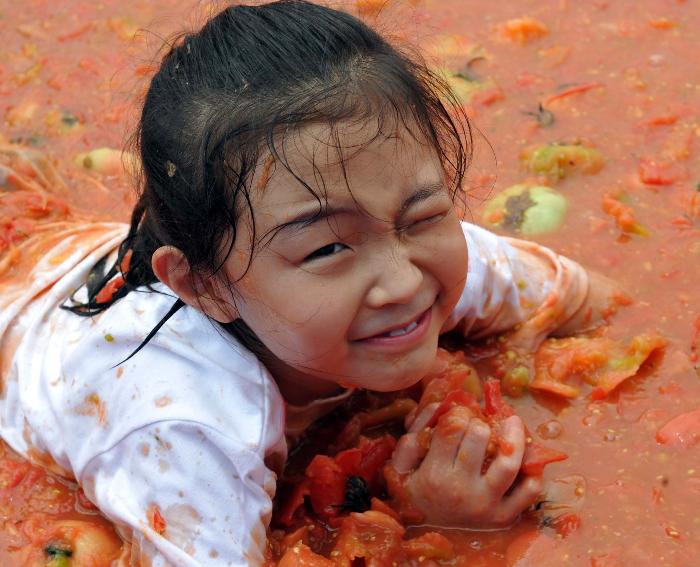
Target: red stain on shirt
156,520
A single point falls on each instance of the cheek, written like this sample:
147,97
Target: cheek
450,261
298,323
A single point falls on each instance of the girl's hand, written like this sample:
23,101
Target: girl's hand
448,485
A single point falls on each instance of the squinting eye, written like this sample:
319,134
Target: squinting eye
324,251
432,219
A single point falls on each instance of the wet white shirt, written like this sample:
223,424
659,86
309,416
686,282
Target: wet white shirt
182,430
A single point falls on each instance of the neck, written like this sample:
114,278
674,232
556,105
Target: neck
298,388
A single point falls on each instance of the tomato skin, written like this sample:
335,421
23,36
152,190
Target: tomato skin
349,461
326,486
495,407
653,172
537,457
431,545
375,453
301,556
326,478
566,524
107,292
374,536
384,508
682,432
453,399
453,373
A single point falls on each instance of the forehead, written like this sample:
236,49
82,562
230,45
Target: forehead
350,163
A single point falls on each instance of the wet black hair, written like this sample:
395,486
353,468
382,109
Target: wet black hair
227,96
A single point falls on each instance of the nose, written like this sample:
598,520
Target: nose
398,280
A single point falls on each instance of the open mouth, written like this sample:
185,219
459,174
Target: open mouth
404,330
410,332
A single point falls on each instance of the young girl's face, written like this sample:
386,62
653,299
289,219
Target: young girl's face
357,295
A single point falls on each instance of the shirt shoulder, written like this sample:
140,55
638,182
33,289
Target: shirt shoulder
511,281
190,371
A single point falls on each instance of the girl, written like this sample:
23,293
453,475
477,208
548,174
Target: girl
295,238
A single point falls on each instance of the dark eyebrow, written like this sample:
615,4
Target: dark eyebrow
424,192
305,219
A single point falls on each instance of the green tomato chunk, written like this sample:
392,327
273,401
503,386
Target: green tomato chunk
58,554
557,161
527,209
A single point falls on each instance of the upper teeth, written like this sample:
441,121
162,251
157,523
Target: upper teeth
407,329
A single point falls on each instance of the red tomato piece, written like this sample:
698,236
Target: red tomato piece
566,524
453,399
652,172
349,461
494,405
537,457
107,292
301,556
368,459
375,454
383,507
327,486
682,432
374,536
429,546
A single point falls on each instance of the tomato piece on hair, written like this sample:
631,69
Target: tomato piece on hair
107,292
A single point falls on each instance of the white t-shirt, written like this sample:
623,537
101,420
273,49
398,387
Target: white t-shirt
183,429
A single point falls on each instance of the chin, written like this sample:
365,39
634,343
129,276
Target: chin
403,375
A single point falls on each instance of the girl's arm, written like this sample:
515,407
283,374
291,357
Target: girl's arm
527,289
602,299
185,494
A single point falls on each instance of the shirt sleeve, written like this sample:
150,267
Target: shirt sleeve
516,284
186,494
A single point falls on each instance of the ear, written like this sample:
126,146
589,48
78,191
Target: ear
172,268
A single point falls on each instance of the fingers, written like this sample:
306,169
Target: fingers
523,496
472,449
505,467
422,419
407,454
447,437
409,451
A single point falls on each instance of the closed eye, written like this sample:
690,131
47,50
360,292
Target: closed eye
325,251
426,221
433,218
